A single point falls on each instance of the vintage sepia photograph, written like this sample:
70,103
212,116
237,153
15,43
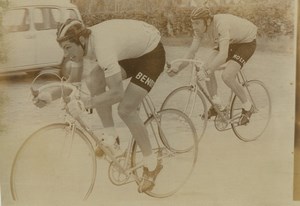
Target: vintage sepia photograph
149,102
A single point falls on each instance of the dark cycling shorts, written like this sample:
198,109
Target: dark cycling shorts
145,69
241,52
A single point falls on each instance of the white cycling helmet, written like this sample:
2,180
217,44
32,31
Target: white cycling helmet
201,13
72,29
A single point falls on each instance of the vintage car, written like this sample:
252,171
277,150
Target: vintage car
30,34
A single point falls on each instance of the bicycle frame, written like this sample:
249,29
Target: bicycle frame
196,86
74,123
75,131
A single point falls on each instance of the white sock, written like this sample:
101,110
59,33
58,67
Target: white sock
110,131
216,99
247,105
150,162
109,135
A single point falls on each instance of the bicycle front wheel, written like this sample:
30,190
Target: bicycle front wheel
261,100
190,101
174,140
55,165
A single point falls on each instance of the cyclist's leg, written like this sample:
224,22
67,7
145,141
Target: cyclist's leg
128,112
229,77
211,85
96,84
146,68
240,55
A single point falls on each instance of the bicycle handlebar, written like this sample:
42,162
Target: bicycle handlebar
58,84
63,85
194,61
198,63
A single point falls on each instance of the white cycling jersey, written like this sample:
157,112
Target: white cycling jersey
232,28
118,39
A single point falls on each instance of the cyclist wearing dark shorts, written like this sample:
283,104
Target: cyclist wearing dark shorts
112,51
234,41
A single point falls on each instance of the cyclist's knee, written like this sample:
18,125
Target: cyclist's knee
125,110
228,76
230,72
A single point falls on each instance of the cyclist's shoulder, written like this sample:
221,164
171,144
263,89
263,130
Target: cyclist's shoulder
222,17
118,24
228,18
231,22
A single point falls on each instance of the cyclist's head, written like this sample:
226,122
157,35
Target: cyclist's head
72,37
71,30
201,15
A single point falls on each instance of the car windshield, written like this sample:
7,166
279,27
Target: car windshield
16,20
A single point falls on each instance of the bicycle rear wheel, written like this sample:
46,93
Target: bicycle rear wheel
190,101
54,165
174,140
259,120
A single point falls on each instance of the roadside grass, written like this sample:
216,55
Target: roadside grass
281,44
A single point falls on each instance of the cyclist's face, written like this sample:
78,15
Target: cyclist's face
72,51
199,26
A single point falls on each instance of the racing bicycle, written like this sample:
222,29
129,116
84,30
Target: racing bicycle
191,99
58,162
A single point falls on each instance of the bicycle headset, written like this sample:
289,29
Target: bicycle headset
71,30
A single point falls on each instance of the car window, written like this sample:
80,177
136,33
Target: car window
16,20
71,14
46,18
55,17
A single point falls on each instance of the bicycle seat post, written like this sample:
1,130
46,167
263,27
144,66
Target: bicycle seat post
148,106
242,77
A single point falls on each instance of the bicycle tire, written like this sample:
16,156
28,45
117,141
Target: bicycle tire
48,167
185,99
261,116
177,165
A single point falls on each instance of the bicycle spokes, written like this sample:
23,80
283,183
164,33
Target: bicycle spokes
259,119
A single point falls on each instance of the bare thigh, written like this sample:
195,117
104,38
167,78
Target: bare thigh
133,97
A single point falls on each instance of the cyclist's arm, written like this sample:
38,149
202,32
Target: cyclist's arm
191,52
75,76
220,57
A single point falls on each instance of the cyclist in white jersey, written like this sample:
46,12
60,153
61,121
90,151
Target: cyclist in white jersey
117,50
234,41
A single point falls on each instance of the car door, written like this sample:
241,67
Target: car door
45,21
19,39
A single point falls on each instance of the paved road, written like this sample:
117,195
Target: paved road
228,171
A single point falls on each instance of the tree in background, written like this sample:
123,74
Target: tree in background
273,17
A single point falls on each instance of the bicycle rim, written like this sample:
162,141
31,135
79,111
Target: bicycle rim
171,149
53,166
192,103
261,116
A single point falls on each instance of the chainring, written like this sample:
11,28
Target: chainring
116,176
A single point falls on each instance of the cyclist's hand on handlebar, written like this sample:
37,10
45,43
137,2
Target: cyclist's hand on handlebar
172,71
202,74
86,100
75,108
41,99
